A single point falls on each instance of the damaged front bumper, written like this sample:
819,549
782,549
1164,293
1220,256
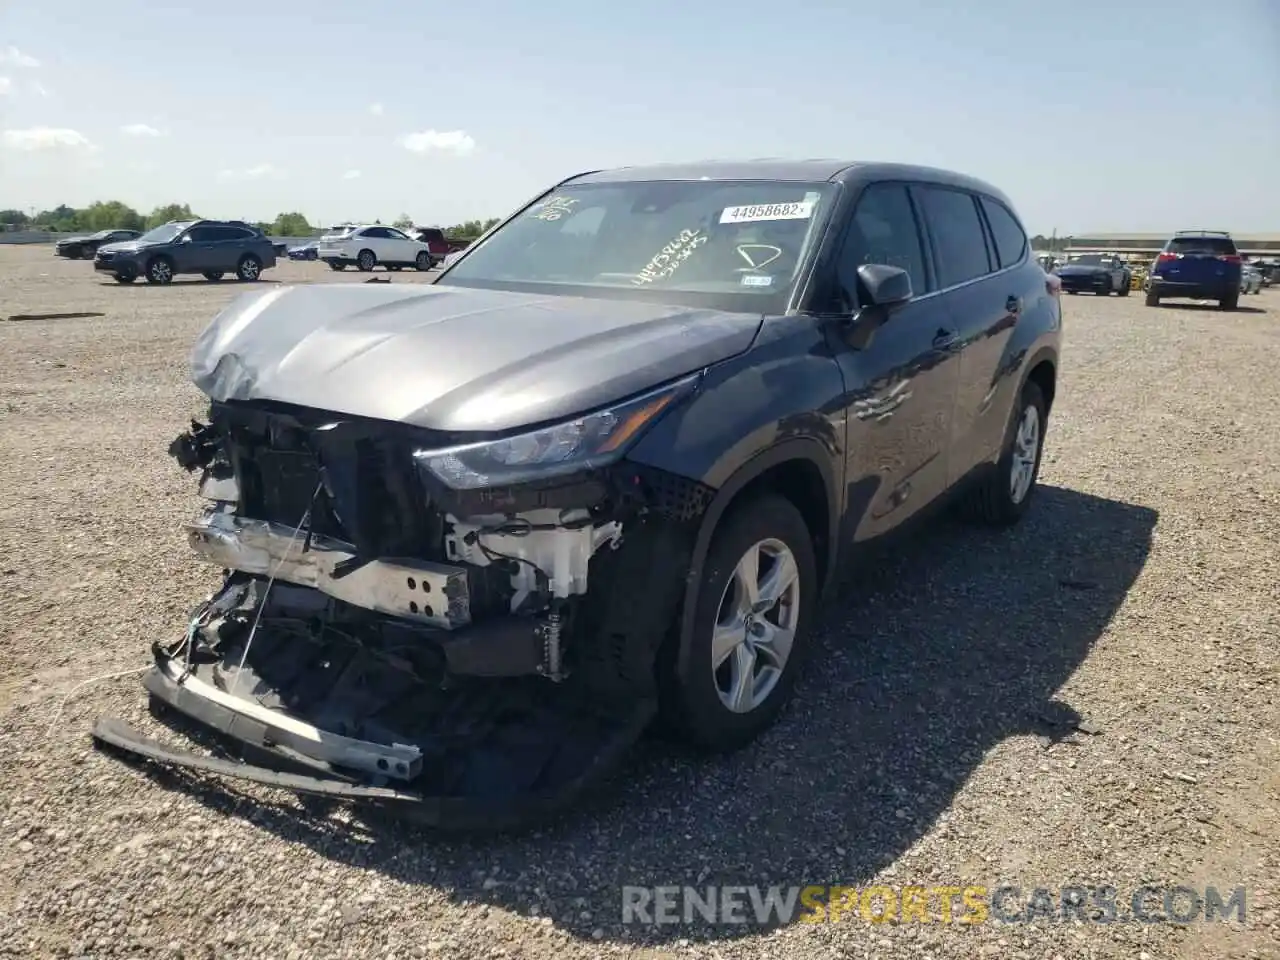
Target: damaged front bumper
398,645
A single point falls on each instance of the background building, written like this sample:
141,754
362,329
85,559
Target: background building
1249,245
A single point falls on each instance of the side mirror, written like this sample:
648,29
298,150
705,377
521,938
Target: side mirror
888,288
186,238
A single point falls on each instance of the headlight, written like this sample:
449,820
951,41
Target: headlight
585,442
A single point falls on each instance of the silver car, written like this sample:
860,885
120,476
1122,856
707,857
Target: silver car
1250,279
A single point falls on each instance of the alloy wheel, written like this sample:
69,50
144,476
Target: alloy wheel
756,626
1026,450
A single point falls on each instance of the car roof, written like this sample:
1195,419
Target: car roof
840,171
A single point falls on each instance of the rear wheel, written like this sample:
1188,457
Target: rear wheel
249,268
366,261
749,631
1004,495
1153,299
1126,284
1229,303
422,261
213,276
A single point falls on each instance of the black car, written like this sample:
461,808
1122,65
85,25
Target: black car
476,535
1098,273
84,248
1200,265
211,248
305,251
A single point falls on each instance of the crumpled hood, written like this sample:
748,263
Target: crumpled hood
452,358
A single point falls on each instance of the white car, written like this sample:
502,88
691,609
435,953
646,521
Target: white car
1250,279
367,246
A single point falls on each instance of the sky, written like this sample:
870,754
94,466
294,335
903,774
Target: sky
1092,115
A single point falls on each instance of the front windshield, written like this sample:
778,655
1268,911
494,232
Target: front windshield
724,244
162,233
1088,260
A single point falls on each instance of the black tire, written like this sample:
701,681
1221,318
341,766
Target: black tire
160,271
126,277
1126,286
366,261
1153,299
1229,303
249,269
213,276
692,705
1073,292
84,253
334,265
422,261
992,501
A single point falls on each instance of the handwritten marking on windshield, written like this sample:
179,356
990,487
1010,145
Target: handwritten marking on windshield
670,257
553,209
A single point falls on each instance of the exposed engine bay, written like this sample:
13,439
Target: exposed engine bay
483,654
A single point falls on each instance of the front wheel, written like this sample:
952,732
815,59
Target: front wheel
422,261
249,269
1004,495
159,271
754,604
124,277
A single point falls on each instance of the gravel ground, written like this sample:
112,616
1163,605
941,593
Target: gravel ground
931,747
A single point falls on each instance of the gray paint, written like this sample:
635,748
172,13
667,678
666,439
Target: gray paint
453,359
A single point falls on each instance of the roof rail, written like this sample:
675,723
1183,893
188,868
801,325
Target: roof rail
1201,233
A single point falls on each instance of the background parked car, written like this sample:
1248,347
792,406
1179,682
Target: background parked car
1199,264
77,248
367,246
1099,273
211,248
305,251
1250,279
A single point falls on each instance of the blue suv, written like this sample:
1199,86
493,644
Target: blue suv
1199,264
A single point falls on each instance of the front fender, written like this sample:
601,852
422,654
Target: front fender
778,402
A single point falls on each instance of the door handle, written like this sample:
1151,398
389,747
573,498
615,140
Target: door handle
1013,305
944,338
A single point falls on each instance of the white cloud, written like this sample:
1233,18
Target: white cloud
5,85
40,90
351,175
140,130
13,55
439,141
48,138
262,171
377,109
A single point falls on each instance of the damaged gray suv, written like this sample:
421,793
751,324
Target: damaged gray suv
477,535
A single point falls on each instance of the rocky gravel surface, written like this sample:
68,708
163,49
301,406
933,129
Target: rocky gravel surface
1088,700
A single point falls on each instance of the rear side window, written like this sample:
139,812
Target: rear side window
204,234
883,230
958,239
1010,241
432,235
1217,246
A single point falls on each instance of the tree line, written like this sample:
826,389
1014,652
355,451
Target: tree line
114,215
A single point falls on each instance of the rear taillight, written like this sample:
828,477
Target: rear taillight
1166,257
1231,258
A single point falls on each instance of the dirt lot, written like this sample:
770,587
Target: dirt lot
1143,593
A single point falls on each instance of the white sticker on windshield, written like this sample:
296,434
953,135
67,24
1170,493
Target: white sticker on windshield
756,280
801,210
